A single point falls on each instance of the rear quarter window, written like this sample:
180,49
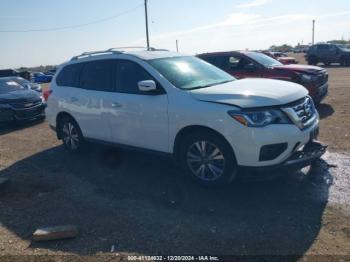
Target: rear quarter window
69,75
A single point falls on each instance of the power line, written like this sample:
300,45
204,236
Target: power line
73,26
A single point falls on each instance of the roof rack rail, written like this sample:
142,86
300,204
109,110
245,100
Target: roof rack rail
114,51
137,47
127,47
93,53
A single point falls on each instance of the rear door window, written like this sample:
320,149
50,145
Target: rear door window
98,76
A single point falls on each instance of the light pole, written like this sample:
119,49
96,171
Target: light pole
313,32
177,46
146,16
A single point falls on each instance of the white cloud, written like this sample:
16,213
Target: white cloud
235,20
254,3
243,30
239,19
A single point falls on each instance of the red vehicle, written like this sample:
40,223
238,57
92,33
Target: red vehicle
281,57
247,64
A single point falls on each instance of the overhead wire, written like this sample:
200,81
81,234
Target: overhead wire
73,26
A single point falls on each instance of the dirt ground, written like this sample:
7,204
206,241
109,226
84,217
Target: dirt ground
143,204
335,109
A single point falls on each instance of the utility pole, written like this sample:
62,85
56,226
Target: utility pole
146,16
177,46
313,32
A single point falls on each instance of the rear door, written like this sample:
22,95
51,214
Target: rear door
138,118
86,100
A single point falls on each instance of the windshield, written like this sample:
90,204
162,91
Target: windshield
8,86
190,72
21,81
263,59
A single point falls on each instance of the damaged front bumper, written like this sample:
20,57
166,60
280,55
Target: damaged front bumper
298,160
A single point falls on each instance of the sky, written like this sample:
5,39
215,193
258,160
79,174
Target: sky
60,29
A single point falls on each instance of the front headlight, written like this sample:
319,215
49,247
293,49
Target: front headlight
306,78
260,118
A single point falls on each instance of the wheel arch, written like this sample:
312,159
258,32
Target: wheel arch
194,129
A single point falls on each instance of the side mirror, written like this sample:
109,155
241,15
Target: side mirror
147,86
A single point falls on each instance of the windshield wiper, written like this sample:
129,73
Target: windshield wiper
213,84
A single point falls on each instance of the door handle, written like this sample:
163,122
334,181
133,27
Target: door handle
116,105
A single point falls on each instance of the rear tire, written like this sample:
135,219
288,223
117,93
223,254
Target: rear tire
208,159
70,133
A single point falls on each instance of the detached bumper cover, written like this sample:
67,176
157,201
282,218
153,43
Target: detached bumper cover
300,159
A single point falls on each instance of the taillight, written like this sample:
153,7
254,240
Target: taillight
47,93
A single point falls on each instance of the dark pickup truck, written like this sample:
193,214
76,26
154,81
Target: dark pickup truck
245,64
328,54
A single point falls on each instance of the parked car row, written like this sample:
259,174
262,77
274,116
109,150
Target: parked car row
213,124
36,77
246,64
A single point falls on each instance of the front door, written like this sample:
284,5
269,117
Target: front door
138,118
242,67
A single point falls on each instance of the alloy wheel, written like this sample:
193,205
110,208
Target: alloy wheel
206,161
70,136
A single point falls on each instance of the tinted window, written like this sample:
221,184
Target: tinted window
69,75
97,75
129,74
190,72
218,61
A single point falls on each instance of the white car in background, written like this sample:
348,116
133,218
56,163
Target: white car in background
213,124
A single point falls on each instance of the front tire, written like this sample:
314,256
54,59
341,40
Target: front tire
208,159
70,134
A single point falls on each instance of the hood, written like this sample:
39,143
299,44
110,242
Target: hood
301,68
250,93
20,95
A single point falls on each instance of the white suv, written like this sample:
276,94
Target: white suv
180,105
